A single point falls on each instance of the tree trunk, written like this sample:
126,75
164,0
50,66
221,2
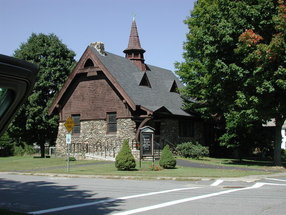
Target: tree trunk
277,143
42,145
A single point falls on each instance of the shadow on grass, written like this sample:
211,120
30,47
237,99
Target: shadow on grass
41,195
252,162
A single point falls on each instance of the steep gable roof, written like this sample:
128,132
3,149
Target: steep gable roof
129,77
85,62
126,78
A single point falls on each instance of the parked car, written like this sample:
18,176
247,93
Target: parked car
17,78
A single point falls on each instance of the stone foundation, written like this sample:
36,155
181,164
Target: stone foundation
93,141
169,132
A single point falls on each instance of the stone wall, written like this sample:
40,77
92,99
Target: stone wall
93,141
169,132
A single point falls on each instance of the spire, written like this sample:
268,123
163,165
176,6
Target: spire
134,51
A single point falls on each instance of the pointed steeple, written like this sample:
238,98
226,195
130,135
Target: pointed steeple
134,51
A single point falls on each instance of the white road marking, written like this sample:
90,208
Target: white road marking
275,179
273,184
167,204
216,183
108,200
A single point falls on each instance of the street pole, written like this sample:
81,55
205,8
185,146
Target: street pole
68,158
68,142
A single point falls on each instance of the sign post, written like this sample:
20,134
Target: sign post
69,124
68,142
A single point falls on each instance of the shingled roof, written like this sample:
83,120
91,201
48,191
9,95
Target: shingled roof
149,87
153,98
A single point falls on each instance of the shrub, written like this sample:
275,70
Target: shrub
155,168
167,160
72,159
24,150
125,160
192,150
6,145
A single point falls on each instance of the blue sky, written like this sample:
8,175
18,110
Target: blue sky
79,22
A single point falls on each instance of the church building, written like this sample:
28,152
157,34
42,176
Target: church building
110,98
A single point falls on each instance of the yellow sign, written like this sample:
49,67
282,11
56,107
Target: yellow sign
69,124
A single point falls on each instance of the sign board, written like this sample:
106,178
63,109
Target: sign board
68,138
147,141
69,124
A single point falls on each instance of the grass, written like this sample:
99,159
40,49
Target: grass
20,163
58,165
244,163
146,172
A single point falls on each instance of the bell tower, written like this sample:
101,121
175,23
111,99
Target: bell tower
134,51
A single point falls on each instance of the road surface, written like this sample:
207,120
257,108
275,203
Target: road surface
92,196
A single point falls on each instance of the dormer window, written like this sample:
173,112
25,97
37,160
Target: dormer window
88,63
174,88
145,81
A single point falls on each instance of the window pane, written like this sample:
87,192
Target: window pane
111,123
112,117
76,128
6,99
112,127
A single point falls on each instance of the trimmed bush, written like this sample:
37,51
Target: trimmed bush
192,150
125,160
167,160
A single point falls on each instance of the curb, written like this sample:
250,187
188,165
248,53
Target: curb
250,178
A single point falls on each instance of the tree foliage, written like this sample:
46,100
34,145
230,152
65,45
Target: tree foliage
55,61
6,145
235,65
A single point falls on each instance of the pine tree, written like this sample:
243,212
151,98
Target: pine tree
124,159
32,123
167,160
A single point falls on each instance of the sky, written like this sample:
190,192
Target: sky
77,23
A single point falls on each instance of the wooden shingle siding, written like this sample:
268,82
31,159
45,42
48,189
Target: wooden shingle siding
92,99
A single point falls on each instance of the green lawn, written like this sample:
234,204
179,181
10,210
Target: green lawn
244,163
40,165
178,172
19,163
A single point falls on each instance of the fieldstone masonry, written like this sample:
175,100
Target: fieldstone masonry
93,141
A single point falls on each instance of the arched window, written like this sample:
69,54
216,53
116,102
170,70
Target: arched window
88,63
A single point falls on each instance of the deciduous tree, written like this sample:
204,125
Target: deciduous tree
235,65
55,60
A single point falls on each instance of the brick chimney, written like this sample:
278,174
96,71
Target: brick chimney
134,51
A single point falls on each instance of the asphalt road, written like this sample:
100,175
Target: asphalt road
92,196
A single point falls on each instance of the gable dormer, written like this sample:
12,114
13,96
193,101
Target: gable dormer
145,81
174,87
